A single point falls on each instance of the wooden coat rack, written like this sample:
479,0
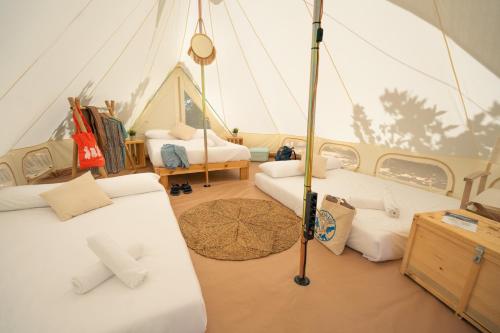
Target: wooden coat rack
74,103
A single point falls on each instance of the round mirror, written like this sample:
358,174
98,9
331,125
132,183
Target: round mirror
202,45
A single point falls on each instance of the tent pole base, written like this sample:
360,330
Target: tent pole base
302,280
207,185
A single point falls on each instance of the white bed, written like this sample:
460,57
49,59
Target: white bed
39,254
377,236
218,150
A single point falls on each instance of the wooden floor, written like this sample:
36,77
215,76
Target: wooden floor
347,294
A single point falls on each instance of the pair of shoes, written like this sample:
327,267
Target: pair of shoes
176,189
186,188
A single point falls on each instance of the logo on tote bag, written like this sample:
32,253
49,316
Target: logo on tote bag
325,226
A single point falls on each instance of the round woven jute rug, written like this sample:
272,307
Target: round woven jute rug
239,229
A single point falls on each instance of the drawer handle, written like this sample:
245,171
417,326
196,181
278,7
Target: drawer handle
479,250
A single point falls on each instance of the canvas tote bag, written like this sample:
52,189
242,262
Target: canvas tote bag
334,223
89,154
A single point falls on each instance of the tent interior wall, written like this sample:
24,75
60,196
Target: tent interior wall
385,86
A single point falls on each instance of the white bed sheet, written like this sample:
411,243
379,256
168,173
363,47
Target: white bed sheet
377,236
224,152
39,255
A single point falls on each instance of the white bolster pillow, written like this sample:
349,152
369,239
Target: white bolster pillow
390,206
126,268
366,203
97,273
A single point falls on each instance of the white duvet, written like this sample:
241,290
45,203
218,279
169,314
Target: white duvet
222,151
377,236
39,254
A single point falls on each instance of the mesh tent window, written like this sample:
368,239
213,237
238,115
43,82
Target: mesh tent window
423,172
6,176
299,144
37,164
193,114
348,155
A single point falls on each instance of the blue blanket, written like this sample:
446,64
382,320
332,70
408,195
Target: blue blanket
174,156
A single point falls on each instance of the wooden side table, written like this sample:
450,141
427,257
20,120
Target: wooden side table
235,139
138,152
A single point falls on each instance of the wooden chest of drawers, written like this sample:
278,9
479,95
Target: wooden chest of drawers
460,267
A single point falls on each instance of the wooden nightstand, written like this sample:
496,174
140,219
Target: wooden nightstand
138,152
235,139
460,267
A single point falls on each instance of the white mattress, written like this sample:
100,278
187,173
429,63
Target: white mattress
39,254
224,152
377,236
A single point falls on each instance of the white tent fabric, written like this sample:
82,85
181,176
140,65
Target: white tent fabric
385,75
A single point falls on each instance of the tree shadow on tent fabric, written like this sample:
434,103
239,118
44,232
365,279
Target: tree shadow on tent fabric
66,127
415,126
124,110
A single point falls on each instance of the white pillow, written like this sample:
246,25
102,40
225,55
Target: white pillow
280,169
28,196
138,183
158,134
333,163
489,197
23,197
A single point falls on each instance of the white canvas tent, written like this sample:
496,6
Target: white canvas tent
386,81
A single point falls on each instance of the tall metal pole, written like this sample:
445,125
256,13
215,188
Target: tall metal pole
317,35
203,103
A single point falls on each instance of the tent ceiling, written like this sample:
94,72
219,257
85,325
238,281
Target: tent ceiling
464,22
385,76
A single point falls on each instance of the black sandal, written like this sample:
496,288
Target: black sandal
186,188
175,190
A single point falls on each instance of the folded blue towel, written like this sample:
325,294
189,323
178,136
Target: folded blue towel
174,156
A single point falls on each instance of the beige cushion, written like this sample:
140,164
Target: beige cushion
319,165
76,197
183,131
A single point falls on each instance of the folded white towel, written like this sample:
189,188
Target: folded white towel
97,273
366,203
390,206
126,268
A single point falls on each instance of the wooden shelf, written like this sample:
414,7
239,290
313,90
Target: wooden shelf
138,152
235,139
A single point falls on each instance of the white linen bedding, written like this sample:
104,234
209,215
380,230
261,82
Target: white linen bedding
377,236
39,255
220,152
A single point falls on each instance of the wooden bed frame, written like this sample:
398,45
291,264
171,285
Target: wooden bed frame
164,173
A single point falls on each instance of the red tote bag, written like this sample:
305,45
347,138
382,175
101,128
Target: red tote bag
89,154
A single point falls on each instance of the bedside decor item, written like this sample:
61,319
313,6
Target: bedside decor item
131,134
235,131
460,267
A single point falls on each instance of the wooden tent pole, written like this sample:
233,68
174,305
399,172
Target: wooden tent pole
111,109
203,102
75,103
309,206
